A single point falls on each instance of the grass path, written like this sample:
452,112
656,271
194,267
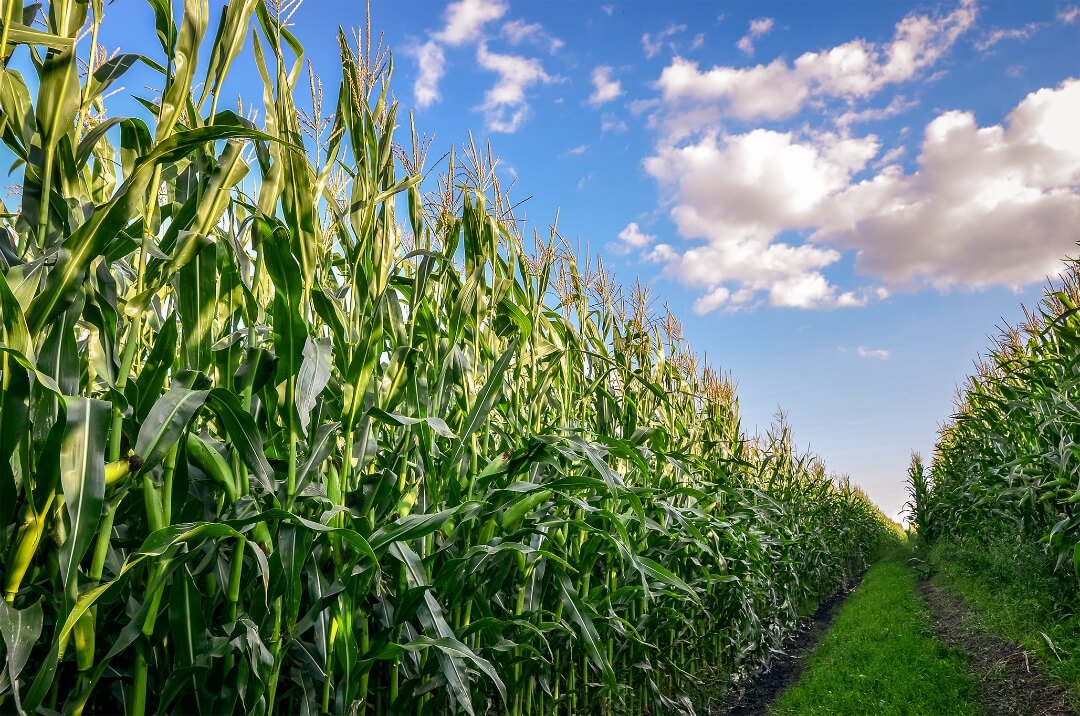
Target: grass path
881,657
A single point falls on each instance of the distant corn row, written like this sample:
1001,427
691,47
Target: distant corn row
1009,461
269,446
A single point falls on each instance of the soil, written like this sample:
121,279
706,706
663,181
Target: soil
1012,683
758,694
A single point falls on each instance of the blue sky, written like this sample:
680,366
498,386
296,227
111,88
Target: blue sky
841,200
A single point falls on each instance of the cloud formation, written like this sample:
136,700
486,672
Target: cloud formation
877,353
465,20
634,237
737,193
605,87
518,31
505,105
853,70
766,213
1012,33
995,205
431,66
653,44
758,28
463,23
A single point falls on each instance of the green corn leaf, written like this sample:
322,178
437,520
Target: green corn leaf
183,59
235,18
165,422
409,528
438,425
484,402
196,293
20,629
244,433
82,470
156,369
110,71
586,630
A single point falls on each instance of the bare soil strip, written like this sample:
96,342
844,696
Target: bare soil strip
1012,683
762,690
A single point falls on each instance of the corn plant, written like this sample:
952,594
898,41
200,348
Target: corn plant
288,428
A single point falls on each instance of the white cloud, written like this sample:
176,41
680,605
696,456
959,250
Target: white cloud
611,123
853,70
897,105
1069,15
653,44
465,20
431,66
634,237
996,205
1015,33
505,106
519,31
891,156
712,300
878,353
737,193
578,150
758,28
605,88
698,42
608,10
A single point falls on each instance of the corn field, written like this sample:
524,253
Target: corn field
1007,462
288,428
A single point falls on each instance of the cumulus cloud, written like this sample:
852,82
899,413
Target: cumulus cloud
634,237
765,214
877,353
995,205
737,193
464,23
578,150
853,70
465,20
605,88
758,28
1069,15
431,66
505,106
653,44
519,31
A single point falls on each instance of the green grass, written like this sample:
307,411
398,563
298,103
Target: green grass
1013,593
880,657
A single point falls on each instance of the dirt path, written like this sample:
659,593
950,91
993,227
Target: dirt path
762,690
1012,683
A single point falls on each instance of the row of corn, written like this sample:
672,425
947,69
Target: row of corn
1008,462
280,433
